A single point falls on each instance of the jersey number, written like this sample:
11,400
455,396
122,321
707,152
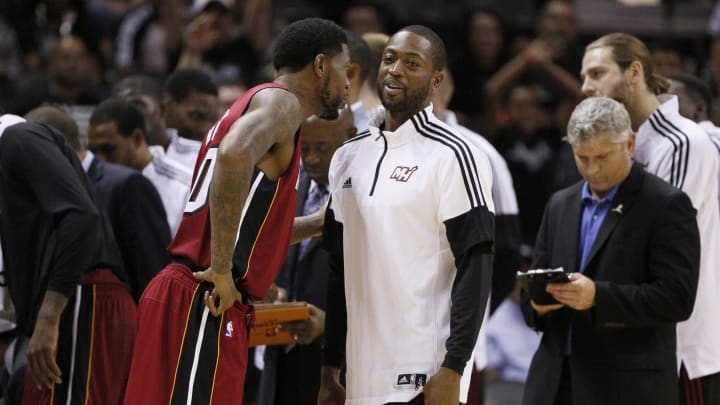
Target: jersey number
201,186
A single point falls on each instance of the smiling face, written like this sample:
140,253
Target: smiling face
334,85
406,73
602,76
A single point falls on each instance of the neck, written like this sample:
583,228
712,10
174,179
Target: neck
394,120
644,105
303,90
354,92
144,159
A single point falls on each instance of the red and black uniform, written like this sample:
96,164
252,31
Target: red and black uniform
56,237
185,354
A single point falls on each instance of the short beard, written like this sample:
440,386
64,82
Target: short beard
329,108
412,102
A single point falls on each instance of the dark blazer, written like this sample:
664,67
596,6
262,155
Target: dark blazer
138,219
293,377
644,263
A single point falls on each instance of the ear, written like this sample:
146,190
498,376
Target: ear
137,138
438,77
321,65
631,143
635,72
353,72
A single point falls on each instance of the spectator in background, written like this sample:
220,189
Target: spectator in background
486,48
368,98
526,144
292,373
360,61
132,203
228,93
666,58
213,42
117,135
363,16
68,80
550,60
148,37
146,93
190,107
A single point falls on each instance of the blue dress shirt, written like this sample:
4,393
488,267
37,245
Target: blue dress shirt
594,212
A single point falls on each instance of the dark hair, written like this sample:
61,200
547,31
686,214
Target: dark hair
182,81
58,119
626,49
697,89
385,14
359,53
437,45
299,43
124,114
141,83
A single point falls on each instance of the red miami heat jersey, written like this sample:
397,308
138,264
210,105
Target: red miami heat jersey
267,217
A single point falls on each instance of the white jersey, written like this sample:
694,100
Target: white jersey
714,134
172,181
393,191
504,200
182,150
677,150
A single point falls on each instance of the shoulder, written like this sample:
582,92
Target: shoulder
562,197
275,99
352,145
167,167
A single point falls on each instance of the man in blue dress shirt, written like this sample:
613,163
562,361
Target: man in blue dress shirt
631,244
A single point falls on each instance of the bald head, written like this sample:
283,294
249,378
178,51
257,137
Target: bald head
59,120
320,139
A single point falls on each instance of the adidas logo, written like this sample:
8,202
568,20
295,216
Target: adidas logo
348,183
403,380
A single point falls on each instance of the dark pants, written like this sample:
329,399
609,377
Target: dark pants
700,391
564,393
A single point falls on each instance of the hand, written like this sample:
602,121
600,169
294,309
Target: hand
542,310
202,33
578,294
224,289
305,332
443,388
41,353
331,392
275,295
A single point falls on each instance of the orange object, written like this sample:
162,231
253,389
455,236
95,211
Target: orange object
269,316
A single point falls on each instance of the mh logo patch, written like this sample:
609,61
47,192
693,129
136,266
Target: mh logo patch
403,173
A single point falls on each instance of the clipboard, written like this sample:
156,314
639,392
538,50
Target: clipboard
535,281
269,316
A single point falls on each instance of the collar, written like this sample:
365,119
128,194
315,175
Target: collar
451,118
406,131
587,197
87,161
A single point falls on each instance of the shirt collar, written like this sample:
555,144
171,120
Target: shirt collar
87,161
406,131
587,196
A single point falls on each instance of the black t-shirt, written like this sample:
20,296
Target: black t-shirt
52,225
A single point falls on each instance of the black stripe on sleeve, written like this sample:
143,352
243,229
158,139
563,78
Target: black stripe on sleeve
471,190
685,142
333,350
469,158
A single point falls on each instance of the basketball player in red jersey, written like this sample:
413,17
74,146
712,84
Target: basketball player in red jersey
236,228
